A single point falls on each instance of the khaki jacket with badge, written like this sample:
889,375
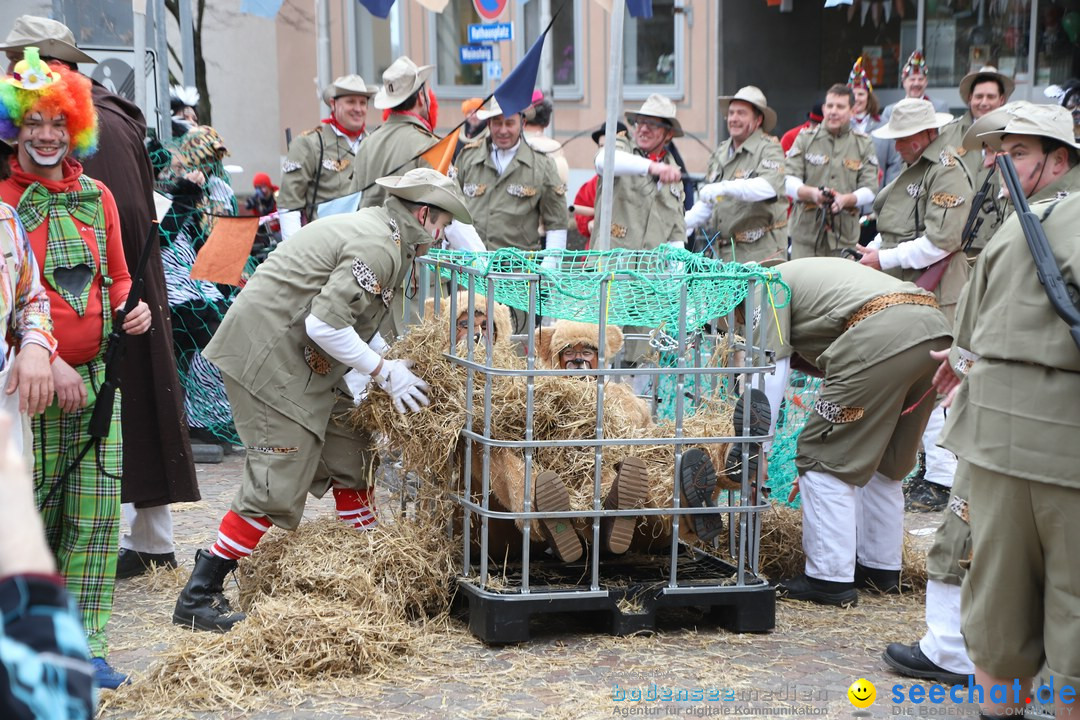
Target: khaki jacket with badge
645,213
993,208
1016,411
342,271
319,155
845,163
931,198
389,151
757,229
508,209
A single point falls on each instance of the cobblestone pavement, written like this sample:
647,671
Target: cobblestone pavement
568,670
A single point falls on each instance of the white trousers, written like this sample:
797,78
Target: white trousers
150,529
940,463
842,523
943,644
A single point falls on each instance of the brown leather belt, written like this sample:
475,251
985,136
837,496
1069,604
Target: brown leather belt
886,301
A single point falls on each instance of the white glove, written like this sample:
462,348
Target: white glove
405,388
378,344
461,236
709,193
358,383
697,216
290,223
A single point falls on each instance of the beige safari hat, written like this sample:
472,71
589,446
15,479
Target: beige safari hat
1048,121
400,80
754,96
660,107
54,39
986,72
993,120
346,85
493,111
911,116
430,187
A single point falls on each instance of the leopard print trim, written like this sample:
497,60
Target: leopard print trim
837,414
288,166
959,507
881,302
366,277
852,164
521,191
395,234
947,158
755,234
269,450
817,159
914,189
559,189
947,200
474,190
319,363
618,231
770,164
336,165
965,359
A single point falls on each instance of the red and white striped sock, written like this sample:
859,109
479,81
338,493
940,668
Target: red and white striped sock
238,535
356,508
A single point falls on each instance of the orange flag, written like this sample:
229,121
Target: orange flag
441,154
226,251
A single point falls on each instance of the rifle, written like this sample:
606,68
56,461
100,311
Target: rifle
1046,267
101,418
931,276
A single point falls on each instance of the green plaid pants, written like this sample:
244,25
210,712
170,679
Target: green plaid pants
82,517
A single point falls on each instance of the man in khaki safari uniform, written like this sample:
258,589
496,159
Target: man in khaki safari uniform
319,166
647,203
921,218
407,132
308,315
743,208
512,189
1039,138
983,91
870,335
831,172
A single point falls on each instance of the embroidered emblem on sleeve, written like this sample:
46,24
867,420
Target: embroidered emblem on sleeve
618,231
473,190
914,189
521,191
837,414
315,360
559,189
852,164
946,200
817,159
366,277
288,166
770,164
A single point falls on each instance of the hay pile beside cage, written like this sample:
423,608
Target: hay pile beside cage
324,602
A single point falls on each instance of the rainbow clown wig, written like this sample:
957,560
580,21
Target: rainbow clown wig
35,86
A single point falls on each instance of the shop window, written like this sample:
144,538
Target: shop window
563,41
870,29
965,36
450,30
652,52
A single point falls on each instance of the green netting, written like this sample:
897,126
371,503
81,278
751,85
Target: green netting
637,287
799,399
196,190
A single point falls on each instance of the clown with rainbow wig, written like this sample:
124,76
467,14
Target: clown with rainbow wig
71,220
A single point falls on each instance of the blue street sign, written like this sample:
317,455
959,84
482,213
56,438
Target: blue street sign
472,54
491,32
494,70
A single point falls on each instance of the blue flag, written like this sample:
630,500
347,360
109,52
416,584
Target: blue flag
640,8
378,8
262,8
515,92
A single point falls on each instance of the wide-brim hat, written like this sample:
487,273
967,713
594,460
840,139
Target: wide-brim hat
602,130
347,85
993,120
754,96
400,81
660,107
493,111
911,116
52,39
1048,121
987,72
429,187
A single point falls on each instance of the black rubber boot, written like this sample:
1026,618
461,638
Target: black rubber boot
202,604
883,582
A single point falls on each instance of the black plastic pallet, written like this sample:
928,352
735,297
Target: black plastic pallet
635,595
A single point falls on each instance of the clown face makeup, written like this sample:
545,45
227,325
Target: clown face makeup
43,142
